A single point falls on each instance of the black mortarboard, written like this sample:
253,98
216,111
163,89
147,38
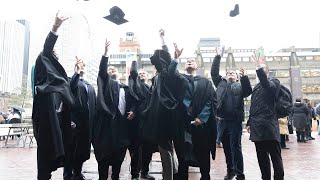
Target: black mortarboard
116,16
235,11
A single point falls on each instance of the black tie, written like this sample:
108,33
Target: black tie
191,82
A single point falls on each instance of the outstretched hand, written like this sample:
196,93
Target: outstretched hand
106,47
242,72
177,51
161,32
219,51
59,20
79,65
256,59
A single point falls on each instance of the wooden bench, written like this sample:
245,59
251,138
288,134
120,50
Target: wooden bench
9,130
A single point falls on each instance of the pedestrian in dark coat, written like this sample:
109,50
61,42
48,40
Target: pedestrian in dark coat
263,123
300,119
230,112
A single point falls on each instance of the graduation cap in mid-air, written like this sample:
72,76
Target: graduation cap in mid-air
116,16
235,11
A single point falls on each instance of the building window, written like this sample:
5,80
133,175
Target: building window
277,58
285,58
317,58
309,58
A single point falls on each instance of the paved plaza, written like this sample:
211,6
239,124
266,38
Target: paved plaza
301,162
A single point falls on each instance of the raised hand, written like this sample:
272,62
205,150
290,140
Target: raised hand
242,72
161,32
177,51
78,66
256,59
106,47
220,51
59,20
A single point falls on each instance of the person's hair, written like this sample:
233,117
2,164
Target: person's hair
298,100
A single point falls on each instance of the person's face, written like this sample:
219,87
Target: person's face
143,75
191,65
113,72
231,75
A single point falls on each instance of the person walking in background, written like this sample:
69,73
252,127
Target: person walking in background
300,116
312,115
283,125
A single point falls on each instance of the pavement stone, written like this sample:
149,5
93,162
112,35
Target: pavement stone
300,163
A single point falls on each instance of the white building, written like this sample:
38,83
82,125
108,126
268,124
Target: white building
12,41
74,40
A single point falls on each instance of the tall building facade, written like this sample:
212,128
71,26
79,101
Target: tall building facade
12,49
26,25
74,40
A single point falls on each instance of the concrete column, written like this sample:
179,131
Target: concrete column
295,80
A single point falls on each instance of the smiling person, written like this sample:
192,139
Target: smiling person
230,111
198,116
115,109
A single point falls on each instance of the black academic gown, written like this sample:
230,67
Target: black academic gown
159,125
110,128
83,115
52,129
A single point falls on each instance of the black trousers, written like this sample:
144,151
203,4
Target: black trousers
231,140
201,146
301,136
44,170
265,149
147,150
114,159
283,140
134,150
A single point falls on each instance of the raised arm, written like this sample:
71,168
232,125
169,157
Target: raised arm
76,76
134,69
215,69
103,68
246,88
262,70
271,85
52,36
163,43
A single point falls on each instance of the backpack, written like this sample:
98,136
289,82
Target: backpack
284,102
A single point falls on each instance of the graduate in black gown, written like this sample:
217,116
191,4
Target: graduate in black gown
198,114
81,122
52,103
138,84
159,124
115,108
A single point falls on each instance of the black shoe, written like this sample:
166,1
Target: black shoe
241,178
229,176
79,177
285,148
311,138
147,176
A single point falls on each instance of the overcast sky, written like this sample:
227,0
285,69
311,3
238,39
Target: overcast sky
273,24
